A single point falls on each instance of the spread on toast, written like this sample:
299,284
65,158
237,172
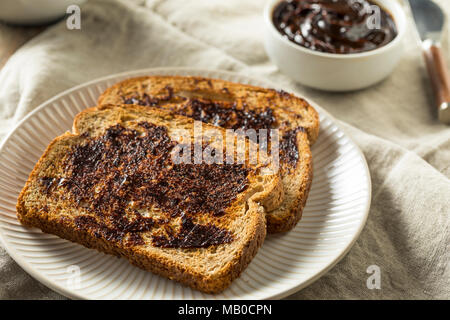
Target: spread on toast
239,107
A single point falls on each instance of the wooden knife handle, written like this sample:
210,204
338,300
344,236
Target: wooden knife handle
438,72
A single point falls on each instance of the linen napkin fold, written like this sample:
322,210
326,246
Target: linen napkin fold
408,151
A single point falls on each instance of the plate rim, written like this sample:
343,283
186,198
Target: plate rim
217,73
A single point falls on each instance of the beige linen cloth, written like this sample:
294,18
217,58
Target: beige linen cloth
394,123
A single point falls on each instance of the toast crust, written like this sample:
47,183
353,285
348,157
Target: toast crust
59,222
154,263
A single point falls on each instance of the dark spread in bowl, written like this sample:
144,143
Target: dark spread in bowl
335,26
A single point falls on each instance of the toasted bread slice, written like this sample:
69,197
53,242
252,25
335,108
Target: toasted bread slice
114,185
237,106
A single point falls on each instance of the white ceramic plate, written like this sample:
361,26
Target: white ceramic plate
334,216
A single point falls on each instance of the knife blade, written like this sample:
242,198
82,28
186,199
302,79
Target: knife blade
430,20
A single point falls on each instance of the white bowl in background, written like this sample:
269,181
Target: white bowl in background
34,12
331,71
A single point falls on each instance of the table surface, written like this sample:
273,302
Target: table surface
408,151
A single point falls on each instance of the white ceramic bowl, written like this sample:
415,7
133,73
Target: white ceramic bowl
34,12
330,71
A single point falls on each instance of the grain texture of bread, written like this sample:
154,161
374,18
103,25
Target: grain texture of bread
78,191
234,105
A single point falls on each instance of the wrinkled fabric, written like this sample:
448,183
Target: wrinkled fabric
394,123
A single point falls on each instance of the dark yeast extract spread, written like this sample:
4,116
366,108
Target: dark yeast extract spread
120,174
335,26
288,147
225,113
219,113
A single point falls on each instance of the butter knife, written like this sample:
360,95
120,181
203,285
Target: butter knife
430,20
